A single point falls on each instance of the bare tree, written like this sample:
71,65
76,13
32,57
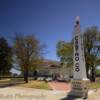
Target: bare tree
27,49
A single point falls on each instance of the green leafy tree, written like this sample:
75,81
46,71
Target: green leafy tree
5,57
65,53
98,72
28,51
91,49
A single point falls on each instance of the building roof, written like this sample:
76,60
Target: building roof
50,64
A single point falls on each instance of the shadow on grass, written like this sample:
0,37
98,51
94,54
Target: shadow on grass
9,83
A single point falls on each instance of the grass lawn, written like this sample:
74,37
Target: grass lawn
36,84
94,85
31,84
5,81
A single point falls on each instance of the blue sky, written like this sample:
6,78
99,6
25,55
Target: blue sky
49,20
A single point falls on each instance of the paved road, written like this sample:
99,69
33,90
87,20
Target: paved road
20,93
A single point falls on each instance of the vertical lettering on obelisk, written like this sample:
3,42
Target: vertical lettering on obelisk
77,69
79,87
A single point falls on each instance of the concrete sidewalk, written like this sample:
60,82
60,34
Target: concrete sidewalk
21,93
94,94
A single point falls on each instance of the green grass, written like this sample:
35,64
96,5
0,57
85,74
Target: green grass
5,80
94,85
36,84
31,84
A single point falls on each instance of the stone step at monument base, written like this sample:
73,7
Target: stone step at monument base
79,88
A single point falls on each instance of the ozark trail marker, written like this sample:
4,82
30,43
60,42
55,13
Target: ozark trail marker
79,82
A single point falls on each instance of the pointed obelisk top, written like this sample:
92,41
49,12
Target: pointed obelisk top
77,20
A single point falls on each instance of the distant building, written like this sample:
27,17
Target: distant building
54,69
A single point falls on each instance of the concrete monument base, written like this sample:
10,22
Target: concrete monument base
79,88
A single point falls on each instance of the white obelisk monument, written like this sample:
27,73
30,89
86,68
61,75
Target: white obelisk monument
79,82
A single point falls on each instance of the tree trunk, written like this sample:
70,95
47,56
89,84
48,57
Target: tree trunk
93,74
87,70
35,75
1,75
26,75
